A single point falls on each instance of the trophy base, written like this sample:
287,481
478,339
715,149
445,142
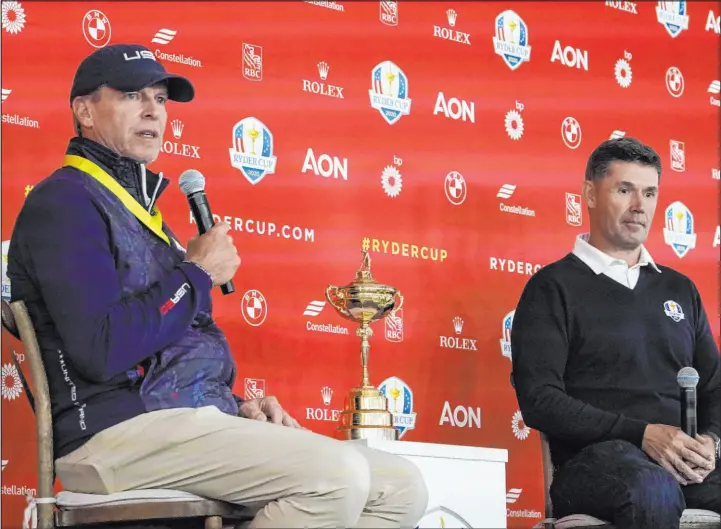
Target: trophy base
366,416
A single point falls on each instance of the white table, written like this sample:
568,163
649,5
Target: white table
466,484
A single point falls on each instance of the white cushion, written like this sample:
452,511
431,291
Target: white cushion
578,520
700,516
75,500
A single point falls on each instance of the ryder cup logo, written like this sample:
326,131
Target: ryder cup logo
389,92
252,150
511,40
96,28
673,310
400,404
679,231
673,16
254,308
506,333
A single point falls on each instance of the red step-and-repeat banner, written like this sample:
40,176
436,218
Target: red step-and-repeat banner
448,138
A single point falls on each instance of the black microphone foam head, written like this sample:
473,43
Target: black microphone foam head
687,378
191,181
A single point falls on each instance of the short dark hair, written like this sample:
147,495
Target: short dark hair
620,150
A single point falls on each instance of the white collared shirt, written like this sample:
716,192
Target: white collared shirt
616,269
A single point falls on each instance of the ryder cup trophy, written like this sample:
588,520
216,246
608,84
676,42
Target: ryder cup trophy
364,301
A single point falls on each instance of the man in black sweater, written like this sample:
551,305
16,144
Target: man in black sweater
597,341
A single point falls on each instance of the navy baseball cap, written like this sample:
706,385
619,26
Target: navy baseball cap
128,68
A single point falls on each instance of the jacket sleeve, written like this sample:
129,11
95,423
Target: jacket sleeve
539,349
66,245
706,362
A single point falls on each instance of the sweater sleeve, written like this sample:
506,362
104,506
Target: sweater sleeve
706,362
68,252
539,349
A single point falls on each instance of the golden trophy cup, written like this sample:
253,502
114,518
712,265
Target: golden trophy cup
366,414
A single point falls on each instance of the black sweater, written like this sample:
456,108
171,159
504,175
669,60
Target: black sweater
594,360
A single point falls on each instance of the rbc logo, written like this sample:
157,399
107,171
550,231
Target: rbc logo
252,150
389,92
394,326
511,40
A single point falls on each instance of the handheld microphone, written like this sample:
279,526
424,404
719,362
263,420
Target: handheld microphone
192,184
687,379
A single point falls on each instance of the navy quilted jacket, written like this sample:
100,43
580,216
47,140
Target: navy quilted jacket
104,292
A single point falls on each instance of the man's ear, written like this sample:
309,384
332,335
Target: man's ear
589,193
83,112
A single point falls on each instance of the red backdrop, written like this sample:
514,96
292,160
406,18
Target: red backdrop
458,166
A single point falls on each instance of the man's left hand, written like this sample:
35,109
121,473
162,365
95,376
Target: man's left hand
710,449
267,409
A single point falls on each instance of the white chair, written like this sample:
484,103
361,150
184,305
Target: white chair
151,508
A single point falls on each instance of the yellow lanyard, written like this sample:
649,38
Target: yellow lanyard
153,222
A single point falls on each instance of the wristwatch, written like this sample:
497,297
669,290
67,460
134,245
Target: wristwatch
717,443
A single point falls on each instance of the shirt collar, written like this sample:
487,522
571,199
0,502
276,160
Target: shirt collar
599,261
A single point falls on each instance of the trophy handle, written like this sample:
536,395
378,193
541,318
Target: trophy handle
334,296
398,296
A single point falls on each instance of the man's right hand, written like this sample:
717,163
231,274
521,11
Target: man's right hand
215,252
675,451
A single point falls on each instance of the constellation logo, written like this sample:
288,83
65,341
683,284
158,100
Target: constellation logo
622,70
514,122
520,430
506,191
322,88
391,179
456,342
512,495
714,88
164,36
16,119
313,309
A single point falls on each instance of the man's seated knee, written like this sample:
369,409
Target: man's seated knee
341,472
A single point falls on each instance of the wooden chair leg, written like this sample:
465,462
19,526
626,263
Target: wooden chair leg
214,522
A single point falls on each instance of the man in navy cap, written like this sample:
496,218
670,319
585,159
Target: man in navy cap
140,375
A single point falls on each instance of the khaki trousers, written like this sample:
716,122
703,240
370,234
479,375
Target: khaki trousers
289,477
